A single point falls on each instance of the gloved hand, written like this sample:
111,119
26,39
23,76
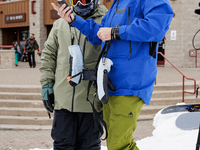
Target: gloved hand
48,96
39,53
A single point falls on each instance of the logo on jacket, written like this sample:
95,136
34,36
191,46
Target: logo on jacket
130,114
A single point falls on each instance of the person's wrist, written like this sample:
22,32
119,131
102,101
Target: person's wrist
116,32
70,23
112,34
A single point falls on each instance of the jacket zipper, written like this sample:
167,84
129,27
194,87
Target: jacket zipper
117,6
73,99
73,96
115,12
129,22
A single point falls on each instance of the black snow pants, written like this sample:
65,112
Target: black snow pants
75,131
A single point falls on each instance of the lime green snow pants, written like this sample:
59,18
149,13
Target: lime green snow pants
121,114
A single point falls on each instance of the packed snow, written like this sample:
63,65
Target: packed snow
166,136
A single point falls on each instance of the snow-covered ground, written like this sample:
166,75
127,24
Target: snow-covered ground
166,135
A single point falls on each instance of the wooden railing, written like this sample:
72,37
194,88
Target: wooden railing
6,46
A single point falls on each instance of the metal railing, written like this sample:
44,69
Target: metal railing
183,88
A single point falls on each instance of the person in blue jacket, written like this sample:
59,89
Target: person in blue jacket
135,29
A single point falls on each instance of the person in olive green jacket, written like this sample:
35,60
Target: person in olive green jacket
73,125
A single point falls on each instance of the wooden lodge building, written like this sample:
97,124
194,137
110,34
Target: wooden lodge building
19,18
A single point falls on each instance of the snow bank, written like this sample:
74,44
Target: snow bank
167,136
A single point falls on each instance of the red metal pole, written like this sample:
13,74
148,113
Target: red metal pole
195,52
196,59
183,90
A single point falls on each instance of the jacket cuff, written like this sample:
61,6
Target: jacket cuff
116,31
48,85
78,23
72,21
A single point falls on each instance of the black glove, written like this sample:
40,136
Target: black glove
49,104
48,97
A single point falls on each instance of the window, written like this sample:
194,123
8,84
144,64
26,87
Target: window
23,35
14,36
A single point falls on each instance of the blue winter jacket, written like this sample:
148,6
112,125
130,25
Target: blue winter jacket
142,22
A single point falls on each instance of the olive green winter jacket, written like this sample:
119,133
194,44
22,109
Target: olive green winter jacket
31,45
55,65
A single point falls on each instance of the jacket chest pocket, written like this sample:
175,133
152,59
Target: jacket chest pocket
125,15
120,17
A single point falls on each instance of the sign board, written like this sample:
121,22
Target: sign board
54,14
173,35
13,18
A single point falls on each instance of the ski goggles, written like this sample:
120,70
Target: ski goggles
83,2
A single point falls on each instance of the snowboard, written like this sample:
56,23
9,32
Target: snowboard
188,121
181,108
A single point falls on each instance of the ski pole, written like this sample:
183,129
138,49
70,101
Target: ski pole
197,90
198,140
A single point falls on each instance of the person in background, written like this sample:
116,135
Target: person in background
16,54
133,28
30,46
73,127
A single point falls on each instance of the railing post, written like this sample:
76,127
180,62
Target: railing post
193,53
196,59
183,89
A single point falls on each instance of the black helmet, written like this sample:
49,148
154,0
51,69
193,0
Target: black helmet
84,8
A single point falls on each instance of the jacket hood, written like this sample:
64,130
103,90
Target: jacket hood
98,12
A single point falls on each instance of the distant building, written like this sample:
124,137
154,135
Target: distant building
18,18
